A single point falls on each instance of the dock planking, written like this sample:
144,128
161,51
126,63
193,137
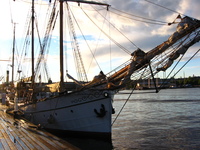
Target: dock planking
21,135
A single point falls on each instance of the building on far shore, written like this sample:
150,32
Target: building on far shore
167,83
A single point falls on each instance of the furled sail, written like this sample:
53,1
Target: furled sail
184,28
187,33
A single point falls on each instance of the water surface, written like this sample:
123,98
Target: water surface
169,119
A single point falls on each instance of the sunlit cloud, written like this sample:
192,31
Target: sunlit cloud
142,34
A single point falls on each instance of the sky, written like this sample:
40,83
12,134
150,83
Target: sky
141,34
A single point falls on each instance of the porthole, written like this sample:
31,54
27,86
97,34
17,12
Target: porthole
106,94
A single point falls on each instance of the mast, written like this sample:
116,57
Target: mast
61,43
32,46
13,53
61,30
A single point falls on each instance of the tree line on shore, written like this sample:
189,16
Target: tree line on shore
166,83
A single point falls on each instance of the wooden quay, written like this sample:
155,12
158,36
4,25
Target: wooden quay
17,134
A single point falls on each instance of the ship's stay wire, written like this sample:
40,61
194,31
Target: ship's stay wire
17,58
187,61
141,19
110,45
129,16
25,43
11,16
123,106
161,85
116,43
168,9
30,1
97,41
164,7
107,34
85,38
180,67
117,29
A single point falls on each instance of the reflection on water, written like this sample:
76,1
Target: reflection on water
169,119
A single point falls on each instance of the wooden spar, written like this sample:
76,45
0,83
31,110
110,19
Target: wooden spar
32,46
61,43
120,76
121,71
87,2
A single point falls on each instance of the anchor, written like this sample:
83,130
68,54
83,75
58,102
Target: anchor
102,111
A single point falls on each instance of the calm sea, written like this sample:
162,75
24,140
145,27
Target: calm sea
167,120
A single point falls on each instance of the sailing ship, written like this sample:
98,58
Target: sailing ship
85,107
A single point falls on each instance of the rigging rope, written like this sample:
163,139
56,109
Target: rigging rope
167,8
85,37
160,86
118,30
25,43
164,7
150,21
30,1
180,68
120,46
123,106
78,58
110,45
46,40
97,43
171,72
187,61
11,16
40,45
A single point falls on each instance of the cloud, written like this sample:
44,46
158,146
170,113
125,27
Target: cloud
140,33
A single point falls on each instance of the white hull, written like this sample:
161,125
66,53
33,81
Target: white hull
74,112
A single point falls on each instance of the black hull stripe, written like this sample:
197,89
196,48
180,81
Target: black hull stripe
105,136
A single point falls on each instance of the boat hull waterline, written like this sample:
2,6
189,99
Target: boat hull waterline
84,113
